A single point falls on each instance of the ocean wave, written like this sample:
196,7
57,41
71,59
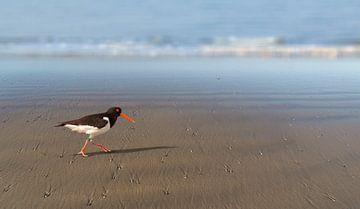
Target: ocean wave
216,47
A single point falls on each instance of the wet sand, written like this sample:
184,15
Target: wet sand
208,143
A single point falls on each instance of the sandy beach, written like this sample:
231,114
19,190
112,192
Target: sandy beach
207,139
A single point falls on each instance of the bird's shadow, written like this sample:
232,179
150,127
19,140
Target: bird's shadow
123,151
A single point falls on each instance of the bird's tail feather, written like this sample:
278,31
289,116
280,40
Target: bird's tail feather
59,125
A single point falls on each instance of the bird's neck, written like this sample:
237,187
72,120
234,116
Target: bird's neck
112,119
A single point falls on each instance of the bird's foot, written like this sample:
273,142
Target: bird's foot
101,147
106,149
82,153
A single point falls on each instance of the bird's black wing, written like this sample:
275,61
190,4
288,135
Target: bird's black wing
90,120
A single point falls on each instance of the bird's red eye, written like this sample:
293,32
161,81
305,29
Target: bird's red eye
117,110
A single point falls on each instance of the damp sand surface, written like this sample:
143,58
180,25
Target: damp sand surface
209,133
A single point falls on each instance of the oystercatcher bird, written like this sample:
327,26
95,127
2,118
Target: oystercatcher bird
95,125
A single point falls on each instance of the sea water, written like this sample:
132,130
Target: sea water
157,28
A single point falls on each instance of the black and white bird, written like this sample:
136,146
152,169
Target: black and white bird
95,125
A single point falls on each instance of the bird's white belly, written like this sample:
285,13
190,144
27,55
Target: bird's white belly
98,131
92,131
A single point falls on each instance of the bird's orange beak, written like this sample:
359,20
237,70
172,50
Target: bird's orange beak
127,118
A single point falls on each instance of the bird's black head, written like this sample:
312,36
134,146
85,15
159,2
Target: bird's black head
116,111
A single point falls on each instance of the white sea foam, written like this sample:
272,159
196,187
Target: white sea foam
217,47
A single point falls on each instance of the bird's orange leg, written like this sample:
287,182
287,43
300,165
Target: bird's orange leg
100,146
83,149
